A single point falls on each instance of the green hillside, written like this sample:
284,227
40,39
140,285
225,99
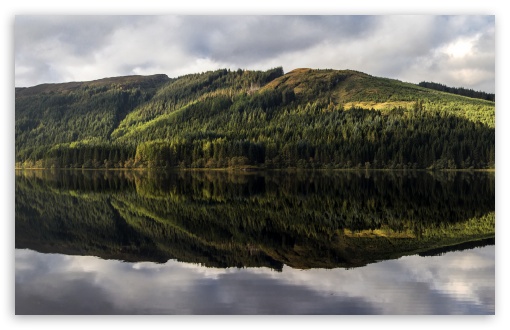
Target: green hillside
304,119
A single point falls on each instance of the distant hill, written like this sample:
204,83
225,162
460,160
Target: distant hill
459,91
127,82
267,119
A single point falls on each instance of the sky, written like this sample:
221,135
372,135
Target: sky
457,51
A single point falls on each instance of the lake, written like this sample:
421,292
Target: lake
275,242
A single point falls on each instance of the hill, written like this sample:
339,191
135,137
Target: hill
306,118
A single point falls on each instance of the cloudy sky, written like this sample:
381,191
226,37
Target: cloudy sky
453,50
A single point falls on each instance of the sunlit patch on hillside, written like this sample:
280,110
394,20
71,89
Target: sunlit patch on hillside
379,105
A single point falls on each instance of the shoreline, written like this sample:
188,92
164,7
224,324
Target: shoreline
255,169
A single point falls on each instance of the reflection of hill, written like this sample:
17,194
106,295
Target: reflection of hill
221,219
459,247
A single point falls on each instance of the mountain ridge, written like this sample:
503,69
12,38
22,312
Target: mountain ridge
245,110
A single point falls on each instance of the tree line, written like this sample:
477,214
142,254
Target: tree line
459,91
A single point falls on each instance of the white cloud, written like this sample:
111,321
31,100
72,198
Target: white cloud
460,48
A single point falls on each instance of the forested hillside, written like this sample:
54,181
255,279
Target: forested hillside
459,91
303,119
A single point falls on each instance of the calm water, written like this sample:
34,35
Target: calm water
97,242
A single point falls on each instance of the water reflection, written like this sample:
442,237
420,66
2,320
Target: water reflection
219,219
455,283
114,242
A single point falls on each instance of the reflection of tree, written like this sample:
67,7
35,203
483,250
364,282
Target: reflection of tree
304,219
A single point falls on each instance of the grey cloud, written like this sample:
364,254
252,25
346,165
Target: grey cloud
77,296
62,48
36,69
244,39
45,46
81,34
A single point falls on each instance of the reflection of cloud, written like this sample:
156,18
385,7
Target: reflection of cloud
411,48
456,283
